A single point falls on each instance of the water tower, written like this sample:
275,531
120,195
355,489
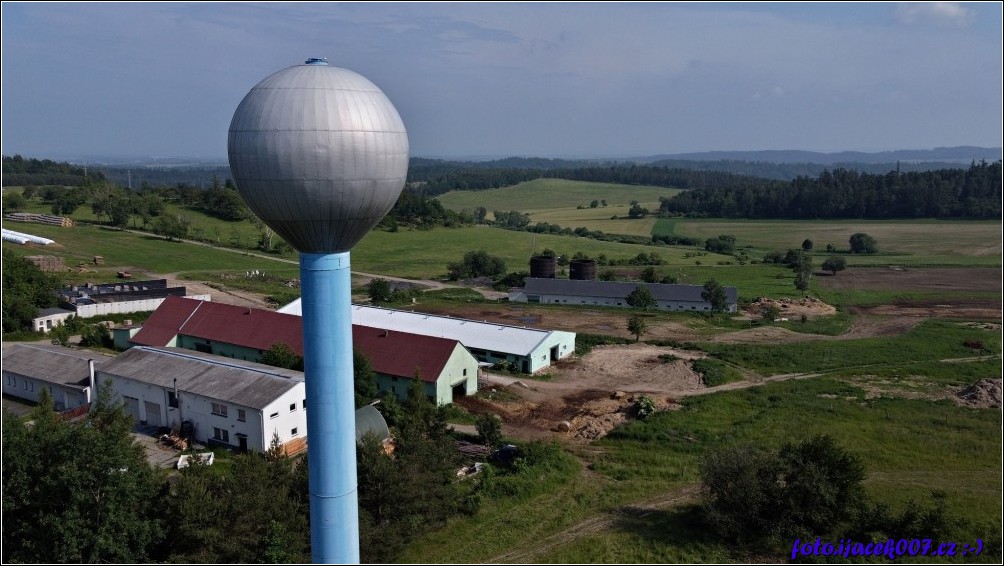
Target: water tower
321,155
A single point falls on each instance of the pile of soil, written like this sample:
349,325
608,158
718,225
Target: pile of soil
791,308
984,394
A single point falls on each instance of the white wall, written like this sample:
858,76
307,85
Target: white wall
287,419
143,305
29,389
257,426
461,368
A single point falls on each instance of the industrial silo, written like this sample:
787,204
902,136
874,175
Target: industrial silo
543,266
321,155
582,269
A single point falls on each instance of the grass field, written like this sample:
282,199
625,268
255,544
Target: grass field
134,252
424,253
906,242
909,447
550,194
599,219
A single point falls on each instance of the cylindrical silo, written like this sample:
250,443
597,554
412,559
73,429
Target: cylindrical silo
582,269
543,266
321,155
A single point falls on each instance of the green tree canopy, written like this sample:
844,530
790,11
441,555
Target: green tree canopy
714,293
862,243
378,290
805,489
26,288
641,298
636,325
834,264
78,492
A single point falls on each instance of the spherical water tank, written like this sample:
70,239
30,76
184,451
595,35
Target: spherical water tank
582,269
319,153
543,266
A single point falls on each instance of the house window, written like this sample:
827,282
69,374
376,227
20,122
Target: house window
25,385
293,432
241,415
465,372
221,434
292,407
12,381
31,386
304,404
172,399
274,416
219,409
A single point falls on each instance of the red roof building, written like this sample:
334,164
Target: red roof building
446,366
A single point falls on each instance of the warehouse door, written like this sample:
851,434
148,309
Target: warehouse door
132,408
152,414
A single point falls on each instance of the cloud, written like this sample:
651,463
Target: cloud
938,13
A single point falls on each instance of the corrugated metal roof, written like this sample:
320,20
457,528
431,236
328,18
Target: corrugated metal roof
369,419
238,382
471,333
164,323
618,289
399,353
51,364
242,326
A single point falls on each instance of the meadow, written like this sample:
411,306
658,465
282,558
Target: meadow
549,194
909,447
900,242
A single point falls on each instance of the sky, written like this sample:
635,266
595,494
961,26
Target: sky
513,79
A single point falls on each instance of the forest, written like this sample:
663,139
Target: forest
945,193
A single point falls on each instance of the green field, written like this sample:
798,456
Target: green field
135,252
599,219
550,194
909,447
905,242
424,253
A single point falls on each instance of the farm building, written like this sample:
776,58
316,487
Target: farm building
218,401
89,300
446,367
530,349
678,298
48,319
67,374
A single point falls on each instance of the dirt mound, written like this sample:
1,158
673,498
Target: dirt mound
984,394
790,308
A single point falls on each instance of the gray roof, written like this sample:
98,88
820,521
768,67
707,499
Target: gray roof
51,311
619,290
369,419
51,364
234,381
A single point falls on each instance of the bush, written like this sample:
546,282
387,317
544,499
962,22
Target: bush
806,489
715,372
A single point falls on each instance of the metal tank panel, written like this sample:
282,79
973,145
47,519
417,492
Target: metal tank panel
320,154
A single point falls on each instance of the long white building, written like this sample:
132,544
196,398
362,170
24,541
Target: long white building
531,349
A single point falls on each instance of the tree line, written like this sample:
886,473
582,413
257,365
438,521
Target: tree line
945,193
18,171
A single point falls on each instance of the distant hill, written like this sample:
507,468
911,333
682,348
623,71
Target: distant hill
958,155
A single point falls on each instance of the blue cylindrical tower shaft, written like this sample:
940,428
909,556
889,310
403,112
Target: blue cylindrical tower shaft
331,427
